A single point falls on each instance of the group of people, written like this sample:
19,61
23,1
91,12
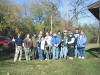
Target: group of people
46,46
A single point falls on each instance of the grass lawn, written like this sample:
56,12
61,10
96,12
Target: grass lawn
89,66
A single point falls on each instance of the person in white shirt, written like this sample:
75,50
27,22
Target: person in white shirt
49,45
43,47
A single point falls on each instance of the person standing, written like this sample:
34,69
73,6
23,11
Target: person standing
43,48
27,46
55,41
48,44
59,35
40,53
64,49
76,35
34,43
71,45
18,51
81,44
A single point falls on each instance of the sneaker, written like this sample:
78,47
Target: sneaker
14,61
82,57
19,60
71,58
46,59
79,57
75,56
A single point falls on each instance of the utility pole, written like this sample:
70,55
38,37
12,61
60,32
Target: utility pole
51,23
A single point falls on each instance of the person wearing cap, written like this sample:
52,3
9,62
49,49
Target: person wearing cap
55,41
76,35
34,44
71,42
64,40
81,44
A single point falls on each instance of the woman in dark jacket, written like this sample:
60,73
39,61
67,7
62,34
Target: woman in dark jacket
71,45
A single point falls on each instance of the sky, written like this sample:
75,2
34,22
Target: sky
62,9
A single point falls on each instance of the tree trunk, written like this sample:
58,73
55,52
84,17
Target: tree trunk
76,15
76,18
67,12
98,39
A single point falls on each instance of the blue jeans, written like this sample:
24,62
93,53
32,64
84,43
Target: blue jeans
40,53
55,52
82,52
63,52
76,51
47,54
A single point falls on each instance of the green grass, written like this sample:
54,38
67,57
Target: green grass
88,66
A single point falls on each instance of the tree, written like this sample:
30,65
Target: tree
45,12
53,16
36,13
12,20
79,7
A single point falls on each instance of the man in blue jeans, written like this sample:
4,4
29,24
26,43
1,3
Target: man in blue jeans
64,49
55,41
81,44
76,34
40,52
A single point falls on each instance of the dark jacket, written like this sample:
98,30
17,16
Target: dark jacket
72,44
18,42
76,35
65,40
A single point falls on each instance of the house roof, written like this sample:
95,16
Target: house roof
94,9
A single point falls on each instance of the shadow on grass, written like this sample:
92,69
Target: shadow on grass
94,52
6,56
